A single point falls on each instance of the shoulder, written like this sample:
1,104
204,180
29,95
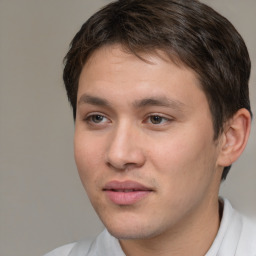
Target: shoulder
104,244
71,249
247,241
61,251
243,230
236,235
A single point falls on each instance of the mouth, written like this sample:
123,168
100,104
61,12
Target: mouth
126,193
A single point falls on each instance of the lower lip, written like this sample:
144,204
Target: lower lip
126,198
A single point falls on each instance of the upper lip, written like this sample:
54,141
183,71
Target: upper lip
125,185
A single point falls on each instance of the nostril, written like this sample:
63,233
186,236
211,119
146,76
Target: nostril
121,166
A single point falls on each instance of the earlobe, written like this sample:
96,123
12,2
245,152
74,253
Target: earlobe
235,137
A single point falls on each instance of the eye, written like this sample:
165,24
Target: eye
157,119
96,119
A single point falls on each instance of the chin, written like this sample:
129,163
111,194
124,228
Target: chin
133,230
129,234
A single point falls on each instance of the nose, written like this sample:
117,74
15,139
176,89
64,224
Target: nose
125,150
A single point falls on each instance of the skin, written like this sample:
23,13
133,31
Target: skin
149,122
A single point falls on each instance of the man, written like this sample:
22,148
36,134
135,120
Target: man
160,98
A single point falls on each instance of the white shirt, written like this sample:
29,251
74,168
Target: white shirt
236,237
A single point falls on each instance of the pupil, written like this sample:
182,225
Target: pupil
156,119
97,118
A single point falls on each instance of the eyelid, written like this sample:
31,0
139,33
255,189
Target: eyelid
166,118
90,115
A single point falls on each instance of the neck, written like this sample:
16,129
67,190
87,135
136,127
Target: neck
193,236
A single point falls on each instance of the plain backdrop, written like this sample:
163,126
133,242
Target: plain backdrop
42,203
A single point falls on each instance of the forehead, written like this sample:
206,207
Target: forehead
115,58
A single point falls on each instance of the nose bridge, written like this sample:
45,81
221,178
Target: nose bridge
124,147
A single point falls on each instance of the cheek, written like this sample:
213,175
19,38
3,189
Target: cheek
88,157
184,158
185,170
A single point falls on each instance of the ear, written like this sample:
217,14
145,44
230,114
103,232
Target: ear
234,137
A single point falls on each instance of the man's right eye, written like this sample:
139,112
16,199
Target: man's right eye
96,119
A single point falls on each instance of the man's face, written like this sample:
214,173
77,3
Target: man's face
144,143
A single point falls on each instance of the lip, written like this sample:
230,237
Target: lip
126,192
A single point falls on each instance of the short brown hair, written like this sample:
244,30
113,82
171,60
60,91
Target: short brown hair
186,30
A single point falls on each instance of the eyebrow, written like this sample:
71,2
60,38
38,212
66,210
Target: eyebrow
88,99
161,101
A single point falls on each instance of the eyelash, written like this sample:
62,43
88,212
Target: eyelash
89,119
159,119
163,120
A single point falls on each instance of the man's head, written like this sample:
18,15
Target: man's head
159,91
190,33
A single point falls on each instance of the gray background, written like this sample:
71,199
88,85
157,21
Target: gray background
42,202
